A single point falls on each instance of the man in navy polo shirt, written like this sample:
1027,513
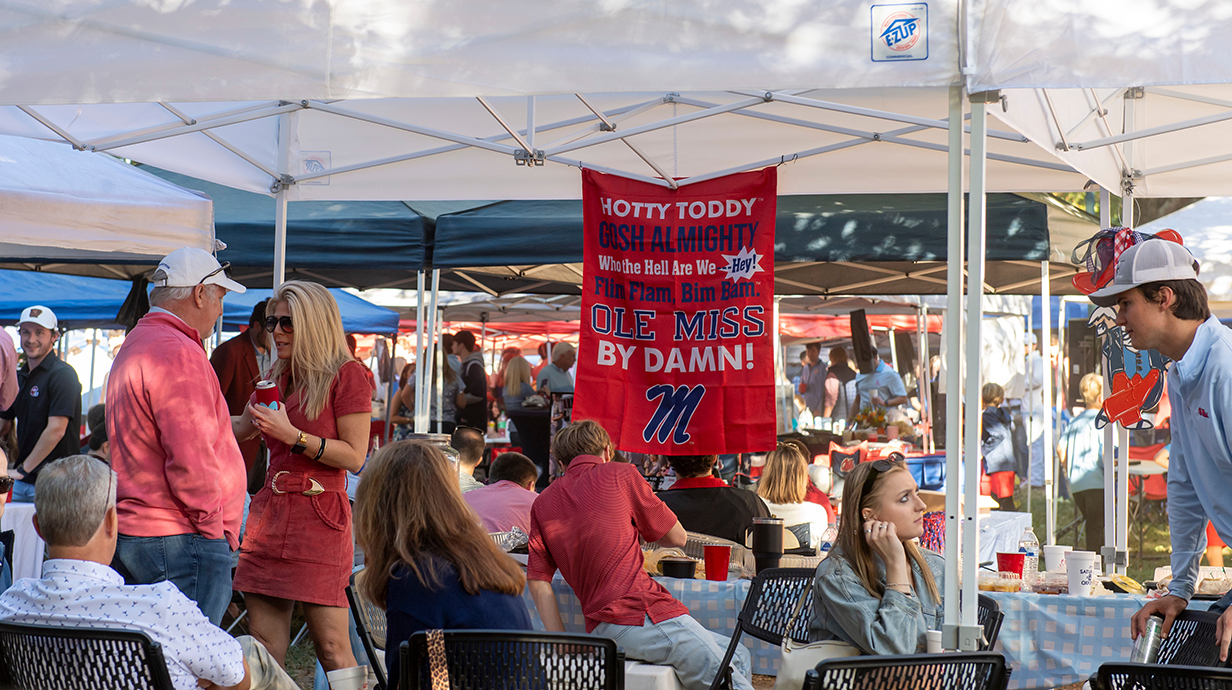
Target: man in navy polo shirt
48,404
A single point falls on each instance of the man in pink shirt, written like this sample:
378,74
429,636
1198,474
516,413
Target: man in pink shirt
505,502
181,478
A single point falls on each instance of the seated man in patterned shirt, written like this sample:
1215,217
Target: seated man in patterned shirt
587,524
76,516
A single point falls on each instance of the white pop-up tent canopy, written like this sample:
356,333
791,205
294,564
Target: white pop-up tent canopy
444,102
90,214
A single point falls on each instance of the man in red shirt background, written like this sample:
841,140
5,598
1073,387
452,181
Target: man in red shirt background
587,524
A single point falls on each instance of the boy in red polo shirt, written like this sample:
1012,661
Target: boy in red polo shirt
587,524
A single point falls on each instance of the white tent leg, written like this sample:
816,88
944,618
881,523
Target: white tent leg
1028,397
1050,485
423,368
953,372
924,386
433,298
285,123
93,352
389,388
969,635
441,363
1110,495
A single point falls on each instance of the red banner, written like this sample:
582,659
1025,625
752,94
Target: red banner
677,352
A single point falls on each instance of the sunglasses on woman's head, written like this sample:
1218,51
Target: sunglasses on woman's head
273,322
879,467
6,483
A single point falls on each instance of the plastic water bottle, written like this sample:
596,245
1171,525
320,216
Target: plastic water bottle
828,538
1029,545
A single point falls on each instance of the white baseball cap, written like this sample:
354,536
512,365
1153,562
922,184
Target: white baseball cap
189,267
40,315
1147,262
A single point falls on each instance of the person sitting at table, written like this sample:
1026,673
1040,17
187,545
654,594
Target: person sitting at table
429,562
706,504
877,590
587,524
783,485
997,446
469,443
1081,449
505,502
517,384
76,515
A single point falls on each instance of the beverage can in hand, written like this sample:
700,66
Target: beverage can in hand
267,394
1146,649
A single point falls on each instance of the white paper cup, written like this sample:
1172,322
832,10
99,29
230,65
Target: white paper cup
1080,566
353,678
1054,557
934,642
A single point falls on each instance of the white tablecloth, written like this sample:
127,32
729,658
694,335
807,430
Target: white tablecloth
1000,531
27,544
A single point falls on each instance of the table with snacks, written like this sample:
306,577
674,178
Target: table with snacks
1051,640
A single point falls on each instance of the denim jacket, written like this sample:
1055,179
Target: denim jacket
895,624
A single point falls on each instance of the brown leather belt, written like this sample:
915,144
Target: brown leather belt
287,482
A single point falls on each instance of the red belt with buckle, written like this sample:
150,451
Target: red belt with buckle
286,482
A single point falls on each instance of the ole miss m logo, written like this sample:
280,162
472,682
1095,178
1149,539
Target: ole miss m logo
676,407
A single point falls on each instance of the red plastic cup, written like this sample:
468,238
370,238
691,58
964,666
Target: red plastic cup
1011,562
717,558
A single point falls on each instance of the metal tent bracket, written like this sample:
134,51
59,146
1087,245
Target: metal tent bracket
532,158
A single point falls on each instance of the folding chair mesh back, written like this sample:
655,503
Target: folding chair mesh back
959,671
35,657
370,625
767,610
515,660
1191,642
1166,677
989,616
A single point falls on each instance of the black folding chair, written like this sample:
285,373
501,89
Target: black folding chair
767,610
989,616
1165,677
370,625
515,660
1190,643
957,671
37,657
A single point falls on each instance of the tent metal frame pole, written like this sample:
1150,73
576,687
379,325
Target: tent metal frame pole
93,352
431,345
1028,396
924,383
1122,455
422,365
1050,485
441,362
953,373
389,389
970,632
285,125
1108,552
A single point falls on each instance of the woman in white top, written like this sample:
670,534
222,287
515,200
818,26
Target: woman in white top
783,485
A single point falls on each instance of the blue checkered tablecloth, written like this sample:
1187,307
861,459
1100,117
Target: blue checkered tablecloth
714,604
1055,640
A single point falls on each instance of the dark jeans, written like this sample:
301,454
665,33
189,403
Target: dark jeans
199,567
1091,504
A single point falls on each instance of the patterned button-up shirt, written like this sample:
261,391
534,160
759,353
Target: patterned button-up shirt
87,594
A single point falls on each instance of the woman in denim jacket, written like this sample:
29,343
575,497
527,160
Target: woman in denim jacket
878,590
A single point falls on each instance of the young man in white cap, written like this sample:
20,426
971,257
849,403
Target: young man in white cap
1162,306
181,475
48,404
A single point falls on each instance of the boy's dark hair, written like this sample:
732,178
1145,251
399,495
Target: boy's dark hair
257,318
514,467
692,465
466,339
1191,302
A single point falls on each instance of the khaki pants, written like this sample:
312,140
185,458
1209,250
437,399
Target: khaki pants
266,674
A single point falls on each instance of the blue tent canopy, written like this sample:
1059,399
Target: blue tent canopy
358,315
808,228
81,302
359,244
1073,310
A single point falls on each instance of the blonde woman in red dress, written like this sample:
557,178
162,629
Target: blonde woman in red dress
297,544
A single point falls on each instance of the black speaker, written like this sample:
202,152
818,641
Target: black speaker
904,353
862,345
1082,358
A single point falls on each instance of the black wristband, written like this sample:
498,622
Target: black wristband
321,450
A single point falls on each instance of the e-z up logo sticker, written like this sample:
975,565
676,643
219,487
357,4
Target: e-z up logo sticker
899,32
